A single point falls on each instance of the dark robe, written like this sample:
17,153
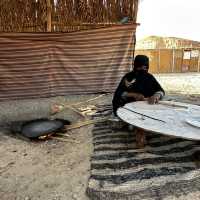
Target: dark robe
143,83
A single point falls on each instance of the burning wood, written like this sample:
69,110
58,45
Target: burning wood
59,136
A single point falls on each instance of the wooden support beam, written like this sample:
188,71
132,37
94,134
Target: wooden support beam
158,60
173,60
135,13
49,12
198,67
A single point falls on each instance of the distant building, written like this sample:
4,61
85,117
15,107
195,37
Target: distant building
170,54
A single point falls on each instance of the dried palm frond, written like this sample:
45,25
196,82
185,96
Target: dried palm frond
66,15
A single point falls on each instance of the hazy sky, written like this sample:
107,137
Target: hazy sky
178,18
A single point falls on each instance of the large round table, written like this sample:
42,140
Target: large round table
167,118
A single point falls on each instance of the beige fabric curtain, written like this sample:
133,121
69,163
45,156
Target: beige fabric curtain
34,65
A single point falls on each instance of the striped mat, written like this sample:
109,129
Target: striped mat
168,168
34,65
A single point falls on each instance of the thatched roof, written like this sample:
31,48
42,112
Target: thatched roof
157,42
65,15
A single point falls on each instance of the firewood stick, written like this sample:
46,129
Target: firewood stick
65,140
76,111
84,123
63,134
70,106
92,99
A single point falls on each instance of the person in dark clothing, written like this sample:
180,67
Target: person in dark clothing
137,85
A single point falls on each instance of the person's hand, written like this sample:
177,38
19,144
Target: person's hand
137,96
154,99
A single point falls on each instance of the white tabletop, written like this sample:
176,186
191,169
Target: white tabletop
175,118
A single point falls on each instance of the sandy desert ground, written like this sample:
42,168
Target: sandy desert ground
48,170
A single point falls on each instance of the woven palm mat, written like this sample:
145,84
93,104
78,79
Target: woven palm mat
167,167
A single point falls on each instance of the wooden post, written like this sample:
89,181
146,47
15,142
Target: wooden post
49,9
158,64
132,64
189,68
182,60
136,5
173,60
199,62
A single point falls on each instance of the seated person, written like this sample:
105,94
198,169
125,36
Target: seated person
137,85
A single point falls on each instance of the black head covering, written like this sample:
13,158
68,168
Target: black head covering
141,60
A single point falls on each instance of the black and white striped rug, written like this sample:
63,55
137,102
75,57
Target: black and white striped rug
168,168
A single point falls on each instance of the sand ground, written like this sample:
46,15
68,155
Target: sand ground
50,170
